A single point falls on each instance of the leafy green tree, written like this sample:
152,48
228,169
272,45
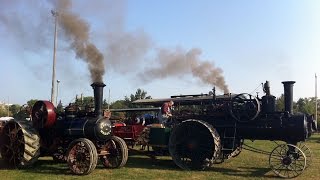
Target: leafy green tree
3,110
140,94
31,102
14,109
127,102
105,104
119,104
305,105
280,103
84,101
24,112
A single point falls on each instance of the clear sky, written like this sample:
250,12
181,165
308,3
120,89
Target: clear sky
251,41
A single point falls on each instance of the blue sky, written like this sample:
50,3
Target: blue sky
251,41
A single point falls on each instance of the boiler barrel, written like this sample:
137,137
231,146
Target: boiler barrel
293,129
92,128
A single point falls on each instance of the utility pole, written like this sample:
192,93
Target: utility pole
55,15
8,107
316,116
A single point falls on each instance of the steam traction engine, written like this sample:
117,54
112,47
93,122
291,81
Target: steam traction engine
78,137
206,129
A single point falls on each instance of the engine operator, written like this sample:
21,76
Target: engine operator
166,113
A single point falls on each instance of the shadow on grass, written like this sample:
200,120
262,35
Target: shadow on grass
138,161
42,167
167,164
151,163
257,172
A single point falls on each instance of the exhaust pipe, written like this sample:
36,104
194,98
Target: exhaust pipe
98,97
288,96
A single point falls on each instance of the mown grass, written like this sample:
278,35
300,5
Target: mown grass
247,165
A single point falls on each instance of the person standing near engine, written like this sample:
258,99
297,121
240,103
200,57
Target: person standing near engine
166,113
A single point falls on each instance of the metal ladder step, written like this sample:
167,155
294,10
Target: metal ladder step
230,137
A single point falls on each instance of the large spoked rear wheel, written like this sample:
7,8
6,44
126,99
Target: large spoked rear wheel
116,153
20,144
82,156
194,144
287,160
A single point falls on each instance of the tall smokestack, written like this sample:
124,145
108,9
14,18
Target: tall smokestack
98,96
288,96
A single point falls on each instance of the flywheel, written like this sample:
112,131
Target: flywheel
20,143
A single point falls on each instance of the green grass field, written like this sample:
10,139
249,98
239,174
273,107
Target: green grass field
247,165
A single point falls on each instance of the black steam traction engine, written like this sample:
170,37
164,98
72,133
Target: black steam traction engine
207,129
78,137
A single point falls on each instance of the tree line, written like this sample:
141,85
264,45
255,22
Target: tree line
303,105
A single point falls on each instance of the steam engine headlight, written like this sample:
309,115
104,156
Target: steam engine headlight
103,129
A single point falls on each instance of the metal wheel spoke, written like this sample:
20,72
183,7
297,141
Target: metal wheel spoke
14,146
82,156
116,153
276,157
305,149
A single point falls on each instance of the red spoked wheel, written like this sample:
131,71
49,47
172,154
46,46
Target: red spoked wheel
114,153
82,156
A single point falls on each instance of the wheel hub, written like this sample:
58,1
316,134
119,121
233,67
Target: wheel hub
80,157
191,146
286,161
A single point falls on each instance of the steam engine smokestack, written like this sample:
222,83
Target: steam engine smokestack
98,97
288,96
